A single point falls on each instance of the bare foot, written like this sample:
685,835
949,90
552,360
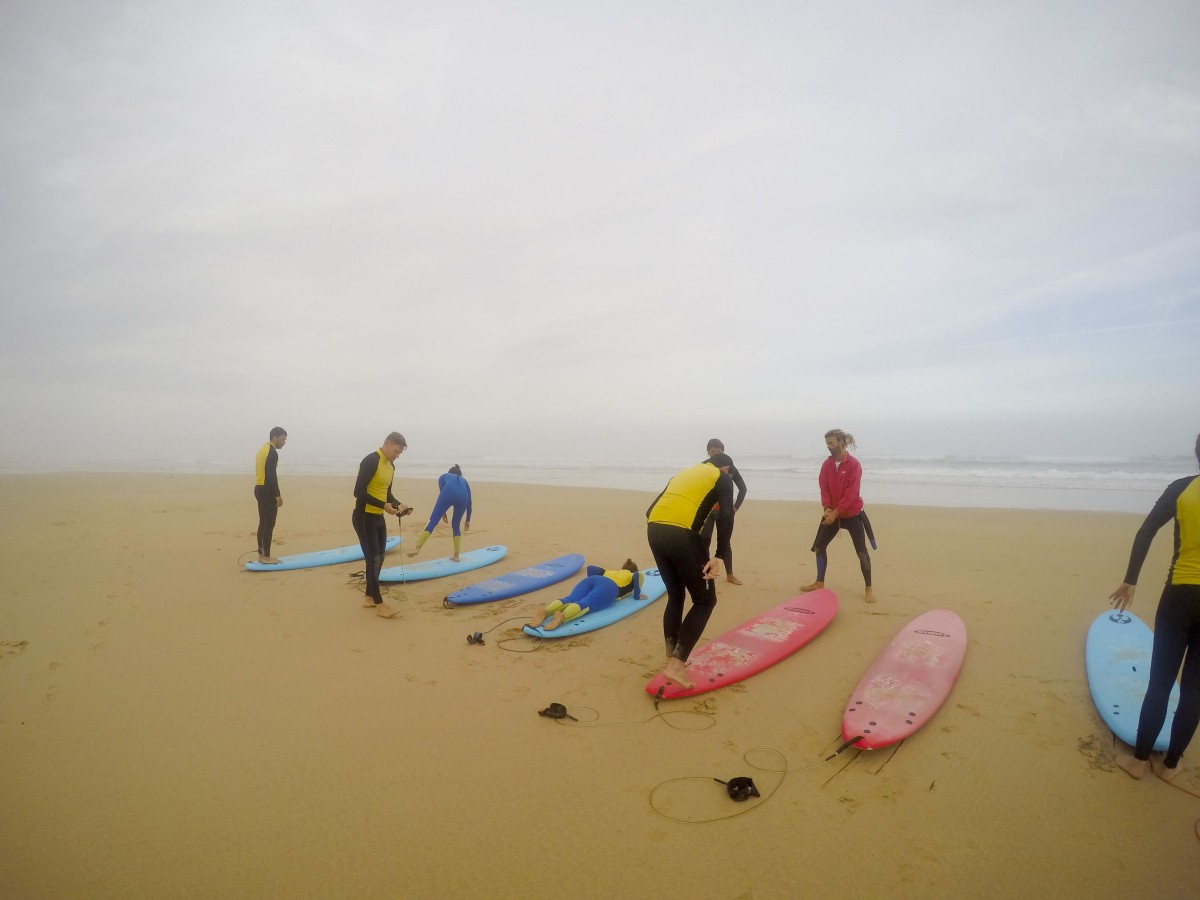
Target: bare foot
733,579
385,611
413,553
676,671
1132,766
268,560
815,586
368,603
870,595
1167,775
455,559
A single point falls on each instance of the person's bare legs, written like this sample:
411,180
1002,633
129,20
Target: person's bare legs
815,586
1132,766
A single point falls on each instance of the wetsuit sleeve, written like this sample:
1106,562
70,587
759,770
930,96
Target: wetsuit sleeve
271,474
637,585
594,570
850,487
366,471
724,489
467,484
1162,513
741,487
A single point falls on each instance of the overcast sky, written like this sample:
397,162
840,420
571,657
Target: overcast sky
604,228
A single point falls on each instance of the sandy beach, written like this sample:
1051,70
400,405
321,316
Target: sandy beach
174,726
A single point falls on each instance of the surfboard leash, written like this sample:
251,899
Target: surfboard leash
740,789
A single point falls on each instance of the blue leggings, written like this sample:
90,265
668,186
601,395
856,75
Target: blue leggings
446,499
594,593
1176,644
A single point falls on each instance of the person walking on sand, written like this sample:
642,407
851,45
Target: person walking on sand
840,480
454,495
716,446
372,498
266,492
600,589
1176,627
673,526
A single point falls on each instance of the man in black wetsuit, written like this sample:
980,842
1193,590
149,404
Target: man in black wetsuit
266,492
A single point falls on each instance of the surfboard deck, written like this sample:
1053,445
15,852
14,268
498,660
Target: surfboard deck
317,558
519,582
908,681
652,589
440,568
753,646
1117,658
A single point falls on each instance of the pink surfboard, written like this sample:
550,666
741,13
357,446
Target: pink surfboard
908,682
753,646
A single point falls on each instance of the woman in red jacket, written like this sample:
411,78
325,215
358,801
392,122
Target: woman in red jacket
840,479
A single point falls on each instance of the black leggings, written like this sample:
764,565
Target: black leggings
372,537
1176,642
268,512
858,534
680,556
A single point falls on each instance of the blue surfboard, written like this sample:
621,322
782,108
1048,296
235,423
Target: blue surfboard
440,568
1117,656
519,582
316,558
652,589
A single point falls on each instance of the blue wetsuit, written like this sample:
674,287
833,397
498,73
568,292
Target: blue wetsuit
456,494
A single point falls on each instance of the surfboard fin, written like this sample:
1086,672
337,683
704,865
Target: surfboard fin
850,743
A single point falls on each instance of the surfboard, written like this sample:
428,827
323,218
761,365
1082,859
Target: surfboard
317,558
519,582
1117,658
440,568
652,588
908,681
753,646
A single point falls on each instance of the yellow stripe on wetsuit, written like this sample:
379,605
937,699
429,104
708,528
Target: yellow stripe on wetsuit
380,484
687,498
260,463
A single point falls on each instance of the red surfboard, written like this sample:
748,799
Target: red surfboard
753,646
908,682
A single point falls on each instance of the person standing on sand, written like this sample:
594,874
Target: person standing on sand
266,492
372,498
1176,627
840,481
674,521
454,494
716,446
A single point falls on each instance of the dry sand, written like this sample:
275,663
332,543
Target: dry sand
173,726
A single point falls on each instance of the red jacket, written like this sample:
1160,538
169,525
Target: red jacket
840,486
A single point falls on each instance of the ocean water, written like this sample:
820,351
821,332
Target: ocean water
1102,484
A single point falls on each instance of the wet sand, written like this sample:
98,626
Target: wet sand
173,726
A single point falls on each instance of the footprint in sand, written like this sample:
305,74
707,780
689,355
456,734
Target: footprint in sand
12,648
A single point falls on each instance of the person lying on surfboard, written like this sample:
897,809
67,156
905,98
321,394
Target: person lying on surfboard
599,590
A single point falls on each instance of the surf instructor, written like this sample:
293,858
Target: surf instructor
266,492
1176,627
674,521
372,498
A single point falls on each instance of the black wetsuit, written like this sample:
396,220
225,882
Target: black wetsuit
675,519
266,492
1176,623
372,490
710,522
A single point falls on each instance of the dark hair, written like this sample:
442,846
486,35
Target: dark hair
396,438
1198,448
277,432
630,566
715,442
455,470
720,460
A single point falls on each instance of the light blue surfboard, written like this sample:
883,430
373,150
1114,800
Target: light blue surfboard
317,558
519,582
652,589
440,568
1117,656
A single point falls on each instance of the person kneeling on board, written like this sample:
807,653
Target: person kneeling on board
599,590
